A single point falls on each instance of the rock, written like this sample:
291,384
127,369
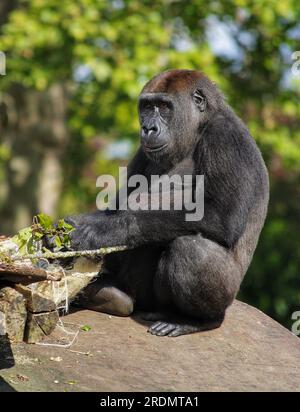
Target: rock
40,325
2,324
13,314
36,300
47,296
43,300
249,352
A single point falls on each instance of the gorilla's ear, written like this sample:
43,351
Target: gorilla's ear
199,100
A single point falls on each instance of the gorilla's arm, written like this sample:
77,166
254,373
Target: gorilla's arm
225,157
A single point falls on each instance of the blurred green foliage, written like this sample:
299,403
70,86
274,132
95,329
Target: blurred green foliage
104,51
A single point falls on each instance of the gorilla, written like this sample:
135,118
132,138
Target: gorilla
181,274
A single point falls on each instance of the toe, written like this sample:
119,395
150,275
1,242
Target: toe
161,328
166,330
157,326
175,332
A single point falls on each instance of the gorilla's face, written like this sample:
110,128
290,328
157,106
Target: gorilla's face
172,115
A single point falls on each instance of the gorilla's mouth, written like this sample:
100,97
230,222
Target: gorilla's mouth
155,148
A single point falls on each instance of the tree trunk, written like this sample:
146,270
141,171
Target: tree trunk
6,6
37,135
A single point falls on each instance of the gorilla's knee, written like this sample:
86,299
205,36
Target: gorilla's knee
111,300
106,299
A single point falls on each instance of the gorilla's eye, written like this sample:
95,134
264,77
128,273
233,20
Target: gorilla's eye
199,100
164,108
148,106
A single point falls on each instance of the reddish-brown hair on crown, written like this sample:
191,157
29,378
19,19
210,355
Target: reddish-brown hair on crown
172,81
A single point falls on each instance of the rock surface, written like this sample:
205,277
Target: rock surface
250,352
13,314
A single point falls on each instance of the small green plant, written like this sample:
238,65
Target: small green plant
86,328
32,239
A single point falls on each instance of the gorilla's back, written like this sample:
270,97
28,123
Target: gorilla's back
244,249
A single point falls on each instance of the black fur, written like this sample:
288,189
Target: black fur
190,271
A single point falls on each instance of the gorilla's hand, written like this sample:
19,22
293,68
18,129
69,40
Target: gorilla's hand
95,230
86,235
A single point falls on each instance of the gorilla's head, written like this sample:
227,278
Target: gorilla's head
174,107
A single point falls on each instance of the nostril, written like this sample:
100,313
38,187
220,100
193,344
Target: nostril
153,129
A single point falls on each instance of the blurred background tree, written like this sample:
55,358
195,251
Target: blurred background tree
68,106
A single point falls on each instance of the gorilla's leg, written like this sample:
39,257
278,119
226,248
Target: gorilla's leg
126,283
197,280
104,297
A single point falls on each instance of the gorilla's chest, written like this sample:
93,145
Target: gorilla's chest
183,168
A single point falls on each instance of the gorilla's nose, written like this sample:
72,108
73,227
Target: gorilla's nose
150,130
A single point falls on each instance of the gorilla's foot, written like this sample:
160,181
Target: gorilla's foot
172,329
106,299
